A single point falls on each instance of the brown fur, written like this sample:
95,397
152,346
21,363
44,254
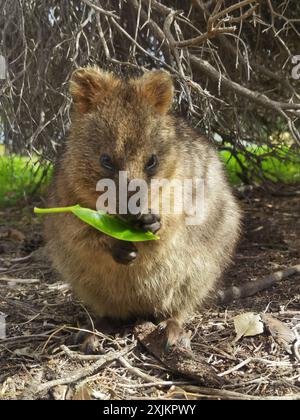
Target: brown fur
129,120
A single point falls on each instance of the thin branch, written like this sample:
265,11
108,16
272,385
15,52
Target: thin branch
78,374
214,17
100,9
250,288
204,37
256,97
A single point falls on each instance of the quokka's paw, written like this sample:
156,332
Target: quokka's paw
149,222
174,334
124,252
87,342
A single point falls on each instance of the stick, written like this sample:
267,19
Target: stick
254,96
213,393
137,372
121,359
20,281
77,375
100,9
250,288
235,368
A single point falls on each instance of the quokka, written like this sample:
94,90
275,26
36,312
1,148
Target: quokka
125,125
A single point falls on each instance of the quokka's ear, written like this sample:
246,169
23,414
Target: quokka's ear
90,85
157,89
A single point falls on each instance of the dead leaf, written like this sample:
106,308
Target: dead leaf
281,333
247,325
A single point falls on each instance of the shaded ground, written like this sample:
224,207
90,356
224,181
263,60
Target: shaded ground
41,316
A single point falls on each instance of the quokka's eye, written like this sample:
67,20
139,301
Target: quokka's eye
151,165
106,163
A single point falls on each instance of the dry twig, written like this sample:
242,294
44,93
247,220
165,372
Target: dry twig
250,288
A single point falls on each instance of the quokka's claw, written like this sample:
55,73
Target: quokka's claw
174,334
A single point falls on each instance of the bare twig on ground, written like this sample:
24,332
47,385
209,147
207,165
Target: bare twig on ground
212,393
15,280
250,288
76,376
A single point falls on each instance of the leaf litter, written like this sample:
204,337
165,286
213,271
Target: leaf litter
42,316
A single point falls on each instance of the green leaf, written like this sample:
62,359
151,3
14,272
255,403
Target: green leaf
109,224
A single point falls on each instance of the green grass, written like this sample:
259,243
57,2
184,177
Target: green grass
20,177
285,168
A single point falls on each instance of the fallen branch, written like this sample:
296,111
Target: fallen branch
211,393
20,281
38,255
121,359
137,372
77,375
252,287
236,367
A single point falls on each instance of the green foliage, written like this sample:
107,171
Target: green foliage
20,178
283,167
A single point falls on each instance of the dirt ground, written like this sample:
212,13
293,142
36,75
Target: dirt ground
39,360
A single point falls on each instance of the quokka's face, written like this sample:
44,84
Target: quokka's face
120,126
